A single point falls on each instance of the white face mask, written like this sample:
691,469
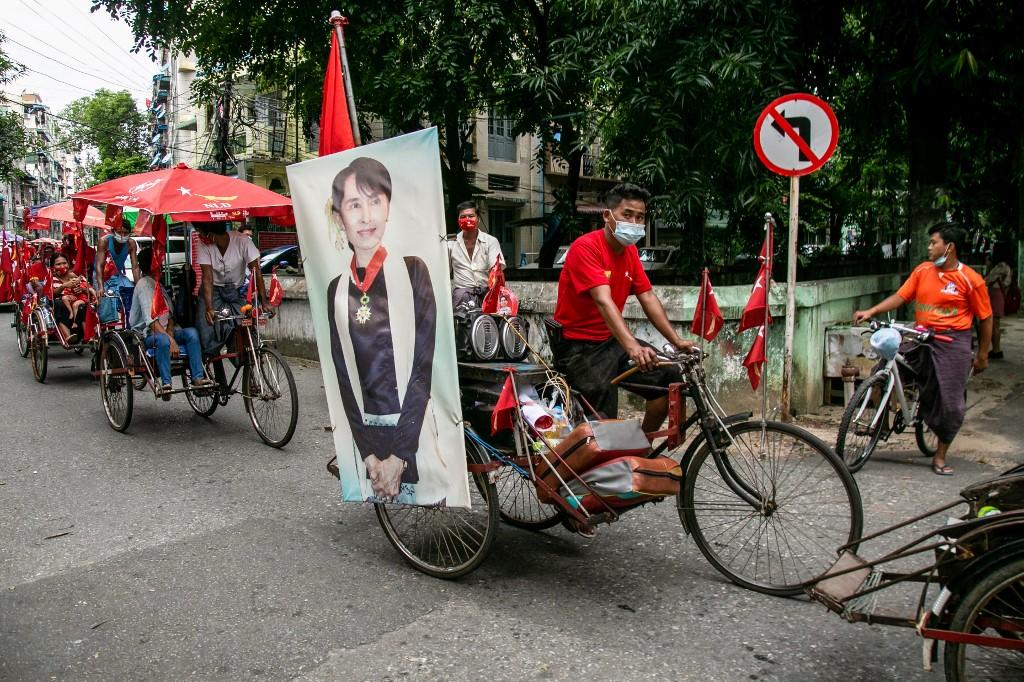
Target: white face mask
941,260
119,238
628,234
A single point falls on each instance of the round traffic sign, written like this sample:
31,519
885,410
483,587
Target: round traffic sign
796,134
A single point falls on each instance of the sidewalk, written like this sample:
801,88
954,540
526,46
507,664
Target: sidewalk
993,431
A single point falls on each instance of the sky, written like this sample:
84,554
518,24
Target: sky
69,52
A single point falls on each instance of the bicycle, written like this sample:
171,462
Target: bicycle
866,420
267,385
763,500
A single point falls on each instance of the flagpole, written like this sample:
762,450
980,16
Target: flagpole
703,310
769,224
338,21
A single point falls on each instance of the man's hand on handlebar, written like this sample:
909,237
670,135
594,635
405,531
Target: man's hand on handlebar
642,356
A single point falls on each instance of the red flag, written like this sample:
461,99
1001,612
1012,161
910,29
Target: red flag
275,293
250,289
113,217
707,316
495,283
159,231
756,311
501,418
335,125
754,362
158,307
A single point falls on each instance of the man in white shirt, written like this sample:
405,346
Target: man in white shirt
472,257
224,258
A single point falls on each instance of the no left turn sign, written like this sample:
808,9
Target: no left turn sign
796,134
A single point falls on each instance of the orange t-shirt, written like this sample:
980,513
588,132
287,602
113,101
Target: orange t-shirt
946,299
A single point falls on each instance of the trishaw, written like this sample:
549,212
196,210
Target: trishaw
972,582
267,386
763,500
124,365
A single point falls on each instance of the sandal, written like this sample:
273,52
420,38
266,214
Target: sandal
73,339
165,391
944,470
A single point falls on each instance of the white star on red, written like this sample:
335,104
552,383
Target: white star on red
185,191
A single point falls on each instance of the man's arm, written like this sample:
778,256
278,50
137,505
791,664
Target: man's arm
643,356
984,341
132,253
891,303
655,312
207,291
101,257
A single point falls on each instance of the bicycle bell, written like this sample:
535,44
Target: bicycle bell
886,342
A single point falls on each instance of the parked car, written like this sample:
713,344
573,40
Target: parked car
658,257
287,259
174,258
651,257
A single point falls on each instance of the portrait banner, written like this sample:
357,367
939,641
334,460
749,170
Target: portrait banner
370,222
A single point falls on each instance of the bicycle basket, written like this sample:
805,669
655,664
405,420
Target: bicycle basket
886,342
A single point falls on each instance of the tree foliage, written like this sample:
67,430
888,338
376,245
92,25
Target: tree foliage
12,129
108,121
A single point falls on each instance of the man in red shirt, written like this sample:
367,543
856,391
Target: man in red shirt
948,297
602,269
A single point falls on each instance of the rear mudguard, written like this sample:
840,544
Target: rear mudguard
691,450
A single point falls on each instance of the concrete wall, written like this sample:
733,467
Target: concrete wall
819,303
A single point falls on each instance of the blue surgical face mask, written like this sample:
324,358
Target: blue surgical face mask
941,260
629,233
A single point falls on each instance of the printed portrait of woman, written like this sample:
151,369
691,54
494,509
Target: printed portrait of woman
382,315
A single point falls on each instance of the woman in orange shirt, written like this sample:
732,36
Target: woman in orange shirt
948,297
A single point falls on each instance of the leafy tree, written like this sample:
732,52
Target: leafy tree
108,121
12,128
109,169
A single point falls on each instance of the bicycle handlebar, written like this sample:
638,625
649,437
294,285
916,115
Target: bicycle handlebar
667,358
919,333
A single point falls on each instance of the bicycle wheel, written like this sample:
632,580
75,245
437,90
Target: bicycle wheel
39,342
115,386
445,542
927,441
270,396
809,506
994,607
23,337
518,504
204,401
863,422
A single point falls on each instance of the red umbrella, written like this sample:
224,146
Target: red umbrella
64,213
185,194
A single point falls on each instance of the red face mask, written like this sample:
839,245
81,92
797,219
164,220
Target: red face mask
205,238
60,269
467,223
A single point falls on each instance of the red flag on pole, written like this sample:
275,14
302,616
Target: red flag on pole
768,246
501,418
275,293
158,306
754,362
335,125
250,289
707,316
756,311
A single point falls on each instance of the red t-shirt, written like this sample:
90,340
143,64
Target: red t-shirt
40,272
591,263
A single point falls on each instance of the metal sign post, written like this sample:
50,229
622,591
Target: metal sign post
795,135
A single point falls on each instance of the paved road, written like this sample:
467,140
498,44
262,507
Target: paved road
186,549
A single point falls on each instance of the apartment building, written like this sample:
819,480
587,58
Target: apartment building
50,174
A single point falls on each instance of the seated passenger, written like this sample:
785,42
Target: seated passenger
37,275
72,295
161,333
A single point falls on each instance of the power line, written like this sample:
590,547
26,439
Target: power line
73,39
68,66
98,27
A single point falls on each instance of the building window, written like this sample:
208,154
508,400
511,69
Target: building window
501,146
502,183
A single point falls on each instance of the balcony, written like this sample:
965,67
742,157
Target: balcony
556,165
